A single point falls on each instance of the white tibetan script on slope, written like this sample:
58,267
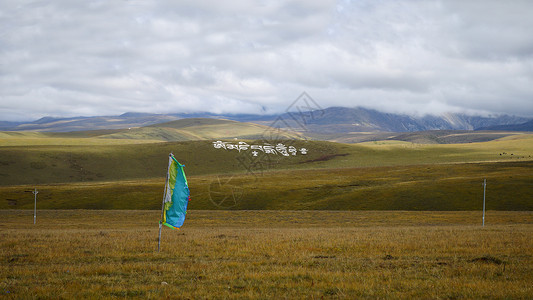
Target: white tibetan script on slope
278,149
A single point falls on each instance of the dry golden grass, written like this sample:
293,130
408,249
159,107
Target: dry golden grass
267,254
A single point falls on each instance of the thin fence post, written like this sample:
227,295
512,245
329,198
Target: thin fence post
35,206
484,190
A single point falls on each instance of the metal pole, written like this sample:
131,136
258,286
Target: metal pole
484,189
163,207
159,239
35,192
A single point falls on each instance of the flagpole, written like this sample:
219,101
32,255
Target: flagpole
163,207
35,192
484,189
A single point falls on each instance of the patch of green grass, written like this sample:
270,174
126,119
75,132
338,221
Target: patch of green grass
417,187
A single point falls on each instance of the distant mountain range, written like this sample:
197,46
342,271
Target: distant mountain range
347,120
527,126
333,120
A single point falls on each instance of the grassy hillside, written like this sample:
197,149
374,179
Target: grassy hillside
374,175
59,164
191,129
419,137
197,129
23,138
331,176
43,164
422,187
453,136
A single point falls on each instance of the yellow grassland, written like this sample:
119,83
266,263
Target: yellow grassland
267,254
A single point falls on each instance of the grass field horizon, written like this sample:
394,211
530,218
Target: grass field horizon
266,254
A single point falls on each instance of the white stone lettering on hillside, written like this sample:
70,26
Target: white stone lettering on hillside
278,149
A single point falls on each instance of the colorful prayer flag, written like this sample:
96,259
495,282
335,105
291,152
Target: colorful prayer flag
177,195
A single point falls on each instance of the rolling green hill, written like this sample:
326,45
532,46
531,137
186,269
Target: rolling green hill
193,129
198,129
418,137
44,164
421,187
372,175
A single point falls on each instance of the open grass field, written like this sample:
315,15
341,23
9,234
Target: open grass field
385,175
412,187
267,254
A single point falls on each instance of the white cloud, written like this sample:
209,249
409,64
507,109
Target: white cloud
66,58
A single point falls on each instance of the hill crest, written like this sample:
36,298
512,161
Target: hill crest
333,120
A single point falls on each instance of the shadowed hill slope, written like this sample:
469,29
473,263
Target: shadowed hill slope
375,175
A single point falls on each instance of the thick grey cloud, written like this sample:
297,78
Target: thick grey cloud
69,58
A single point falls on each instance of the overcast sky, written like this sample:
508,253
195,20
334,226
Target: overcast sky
106,57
